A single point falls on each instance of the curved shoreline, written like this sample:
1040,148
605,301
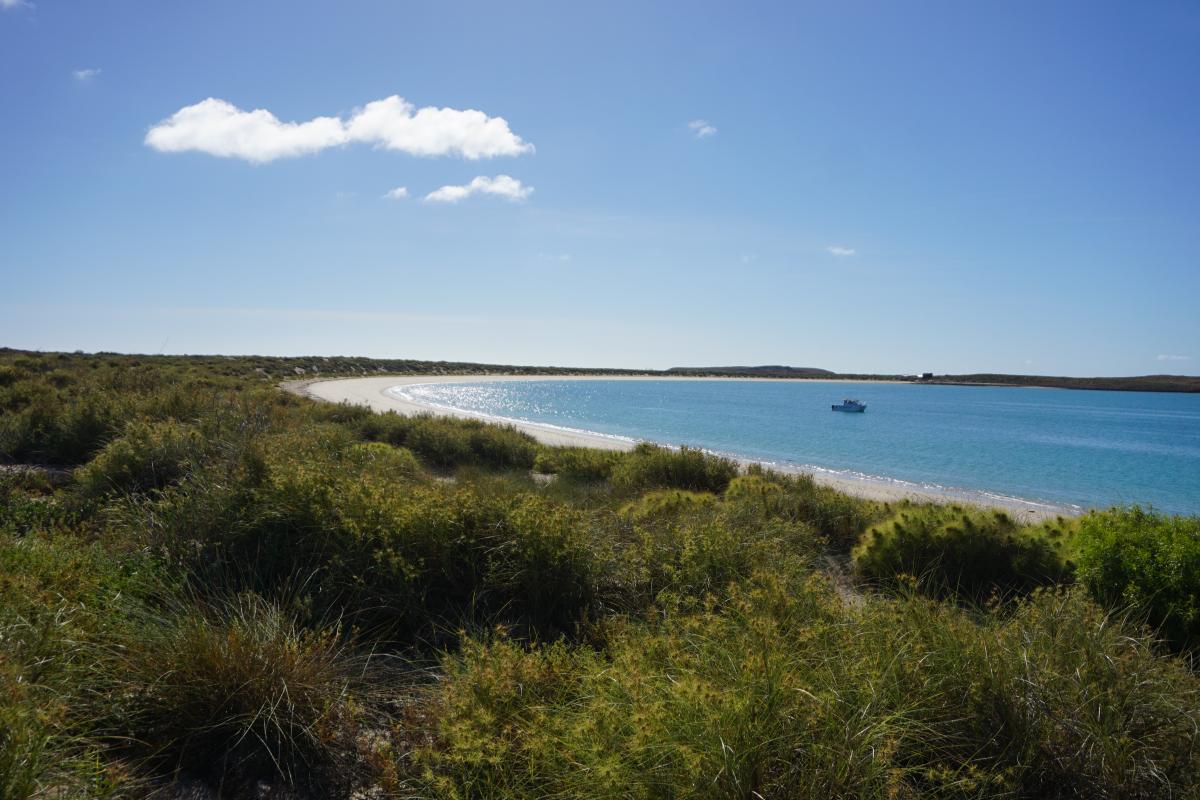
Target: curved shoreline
375,393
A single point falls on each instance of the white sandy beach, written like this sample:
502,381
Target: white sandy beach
373,393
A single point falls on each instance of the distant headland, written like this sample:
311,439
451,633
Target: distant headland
1138,383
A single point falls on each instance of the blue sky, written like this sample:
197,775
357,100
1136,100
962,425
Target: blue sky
874,187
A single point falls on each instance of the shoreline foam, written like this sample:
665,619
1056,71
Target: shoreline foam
376,393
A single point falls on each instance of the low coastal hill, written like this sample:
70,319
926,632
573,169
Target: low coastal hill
775,371
1137,383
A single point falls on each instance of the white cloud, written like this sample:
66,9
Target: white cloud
6,4
1167,357
840,252
702,128
502,186
395,124
220,128
399,193
85,75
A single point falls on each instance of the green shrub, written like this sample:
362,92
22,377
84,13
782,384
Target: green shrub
384,461
691,545
26,505
542,568
60,432
799,498
667,504
653,467
147,456
446,442
397,559
783,690
1131,558
502,446
587,464
967,554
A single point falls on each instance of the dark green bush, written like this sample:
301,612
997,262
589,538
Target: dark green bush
968,554
542,569
577,463
447,442
57,432
652,467
1148,562
394,560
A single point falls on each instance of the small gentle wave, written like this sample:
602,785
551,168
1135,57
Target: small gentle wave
402,393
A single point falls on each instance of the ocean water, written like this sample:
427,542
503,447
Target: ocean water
1078,449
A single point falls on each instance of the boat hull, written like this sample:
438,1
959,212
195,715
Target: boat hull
850,409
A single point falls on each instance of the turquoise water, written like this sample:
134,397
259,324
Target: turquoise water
1067,448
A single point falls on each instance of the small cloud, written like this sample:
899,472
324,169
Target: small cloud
748,258
84,75
702,128
502,186
399,193
840,252
1167,357
7,4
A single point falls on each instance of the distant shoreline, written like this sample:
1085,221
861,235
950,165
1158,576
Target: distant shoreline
373,393
301,367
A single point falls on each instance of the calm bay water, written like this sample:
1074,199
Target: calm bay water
1074,448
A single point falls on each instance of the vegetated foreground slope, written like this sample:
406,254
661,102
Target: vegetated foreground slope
224,590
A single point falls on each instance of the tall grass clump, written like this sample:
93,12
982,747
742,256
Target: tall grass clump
966,554
839,517
59,598
652,467
1148,562
1054,699
236,690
